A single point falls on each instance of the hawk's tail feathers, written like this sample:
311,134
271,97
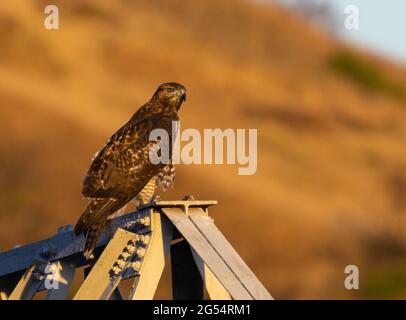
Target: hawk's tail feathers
92,222
80,226
92,236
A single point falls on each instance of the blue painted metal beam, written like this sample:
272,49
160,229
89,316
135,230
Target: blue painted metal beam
66,245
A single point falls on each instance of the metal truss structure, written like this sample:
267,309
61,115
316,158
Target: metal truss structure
136,246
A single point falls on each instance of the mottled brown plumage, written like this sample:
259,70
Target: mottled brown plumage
122,169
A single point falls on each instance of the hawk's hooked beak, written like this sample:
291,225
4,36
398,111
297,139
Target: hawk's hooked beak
183,96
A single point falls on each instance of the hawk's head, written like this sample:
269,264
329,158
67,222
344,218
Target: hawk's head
170,94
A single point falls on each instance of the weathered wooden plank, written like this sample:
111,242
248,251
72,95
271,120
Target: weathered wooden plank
153,263
220,244
210,257
62,276
65,244
187,284
106,273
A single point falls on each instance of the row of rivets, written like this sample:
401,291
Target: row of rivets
146,221
141,252
136,265
124,256
116,270
145,239
128,251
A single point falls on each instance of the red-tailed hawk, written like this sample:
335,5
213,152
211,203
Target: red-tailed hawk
123,170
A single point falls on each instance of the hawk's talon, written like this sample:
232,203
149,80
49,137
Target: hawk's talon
155,198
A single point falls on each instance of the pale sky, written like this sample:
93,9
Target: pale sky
382,25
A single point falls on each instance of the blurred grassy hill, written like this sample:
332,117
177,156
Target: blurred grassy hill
330,189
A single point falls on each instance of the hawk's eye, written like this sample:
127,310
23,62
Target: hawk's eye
169,90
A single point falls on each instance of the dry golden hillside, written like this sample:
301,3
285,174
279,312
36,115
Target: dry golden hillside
330,189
